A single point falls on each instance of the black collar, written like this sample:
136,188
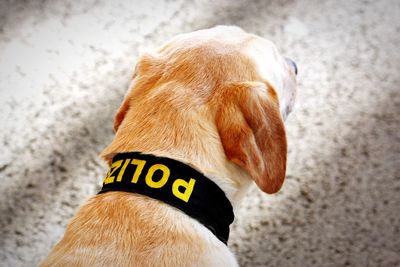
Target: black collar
175,183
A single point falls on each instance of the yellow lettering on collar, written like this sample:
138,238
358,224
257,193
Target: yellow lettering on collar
121,173
139,168
180,188
164,178
115,166
188,188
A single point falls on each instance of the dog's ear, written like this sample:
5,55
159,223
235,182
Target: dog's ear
147,72
252,132
120,115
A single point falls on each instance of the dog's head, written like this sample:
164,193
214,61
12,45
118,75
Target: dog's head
234,82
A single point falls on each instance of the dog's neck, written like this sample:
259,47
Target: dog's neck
173,183
197,146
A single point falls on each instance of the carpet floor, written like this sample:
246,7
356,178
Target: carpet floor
65,66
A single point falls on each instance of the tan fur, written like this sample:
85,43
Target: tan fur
200,99
252,132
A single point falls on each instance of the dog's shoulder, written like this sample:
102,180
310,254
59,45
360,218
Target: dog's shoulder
130,228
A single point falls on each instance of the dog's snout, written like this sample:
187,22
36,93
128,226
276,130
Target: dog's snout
292,64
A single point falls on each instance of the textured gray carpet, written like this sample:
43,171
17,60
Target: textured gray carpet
65,65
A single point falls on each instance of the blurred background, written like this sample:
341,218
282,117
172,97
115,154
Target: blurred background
65,66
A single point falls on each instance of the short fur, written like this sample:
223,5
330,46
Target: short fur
213,100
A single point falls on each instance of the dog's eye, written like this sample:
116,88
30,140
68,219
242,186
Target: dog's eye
292,64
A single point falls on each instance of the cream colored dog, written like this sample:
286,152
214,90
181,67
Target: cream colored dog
213,99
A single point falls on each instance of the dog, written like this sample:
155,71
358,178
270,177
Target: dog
208,106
